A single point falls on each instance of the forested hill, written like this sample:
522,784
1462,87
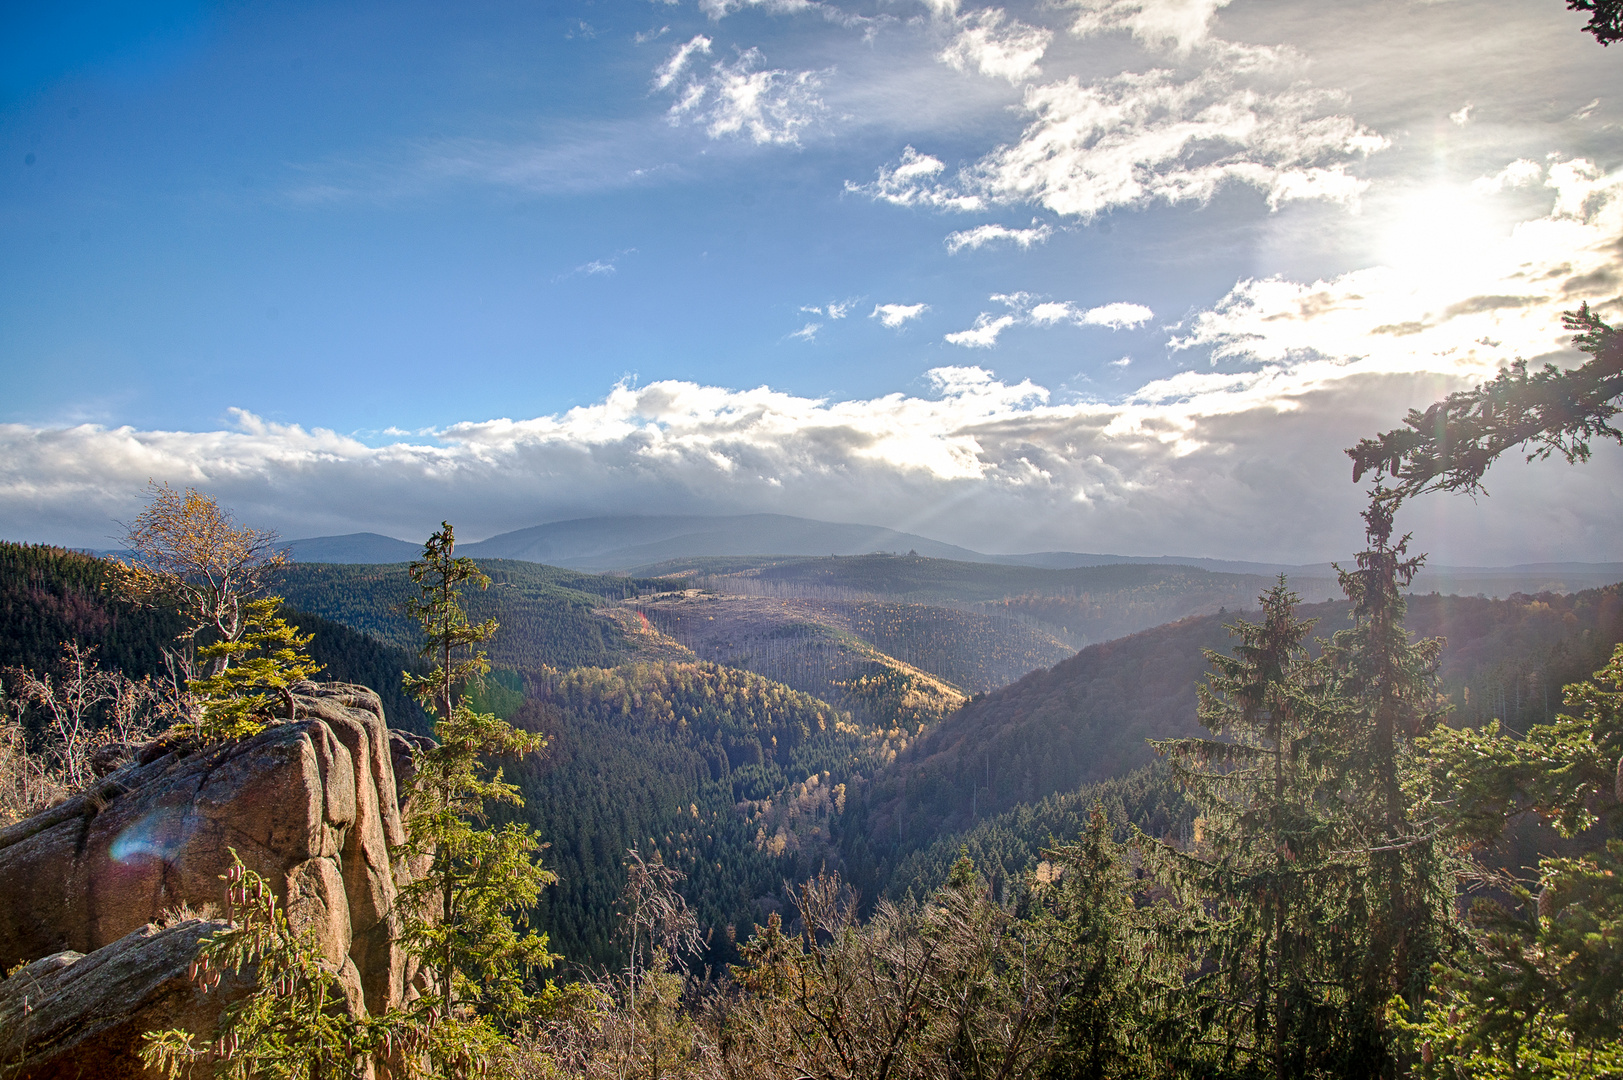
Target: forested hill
50,595
734,779
1086,719
548,616
793,640
1005,847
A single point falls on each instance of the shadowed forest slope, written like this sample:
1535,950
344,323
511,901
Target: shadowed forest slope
1087,719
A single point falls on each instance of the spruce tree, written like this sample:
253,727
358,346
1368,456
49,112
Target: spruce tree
1281,900
1390,684
462,917
253,674
1115,961
1450,446
1540,990
1535,991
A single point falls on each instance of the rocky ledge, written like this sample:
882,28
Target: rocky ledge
89,889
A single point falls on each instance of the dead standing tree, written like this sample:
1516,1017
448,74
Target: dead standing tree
662,929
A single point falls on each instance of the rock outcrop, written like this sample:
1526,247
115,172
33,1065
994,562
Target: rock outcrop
311,805
70,1016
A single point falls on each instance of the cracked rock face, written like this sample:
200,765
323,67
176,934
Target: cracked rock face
311,805
68,1015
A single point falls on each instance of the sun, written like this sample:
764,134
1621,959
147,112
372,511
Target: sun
1441,233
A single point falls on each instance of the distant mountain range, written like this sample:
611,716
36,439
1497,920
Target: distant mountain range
621,543
605,544
364,547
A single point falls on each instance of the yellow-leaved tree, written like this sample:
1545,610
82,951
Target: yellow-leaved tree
187,553
237,657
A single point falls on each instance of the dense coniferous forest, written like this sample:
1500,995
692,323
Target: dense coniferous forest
733,779
51,595
1008,847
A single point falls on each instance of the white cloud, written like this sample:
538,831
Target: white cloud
912,182
990,43
720,9
1157,136
1518,173
807,332
667,72
834,309
982,335
1118,316
1046,314
982,235
1182,24
894,316
1123,362
1461,116
766,105
597,267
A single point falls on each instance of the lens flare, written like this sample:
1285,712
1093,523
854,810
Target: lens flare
159,835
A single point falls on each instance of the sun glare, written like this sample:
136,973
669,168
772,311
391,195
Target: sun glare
1449,232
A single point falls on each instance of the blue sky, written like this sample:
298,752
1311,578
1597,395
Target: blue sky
1097,275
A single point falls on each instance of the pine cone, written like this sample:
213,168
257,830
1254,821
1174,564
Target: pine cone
1546,903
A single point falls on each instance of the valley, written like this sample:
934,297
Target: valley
756,720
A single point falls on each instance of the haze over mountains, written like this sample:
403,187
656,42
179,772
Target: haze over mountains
623,544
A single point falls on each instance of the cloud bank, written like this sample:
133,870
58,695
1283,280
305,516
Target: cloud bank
1242,469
